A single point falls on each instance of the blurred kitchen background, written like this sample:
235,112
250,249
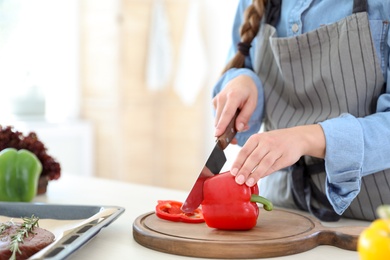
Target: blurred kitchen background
118,89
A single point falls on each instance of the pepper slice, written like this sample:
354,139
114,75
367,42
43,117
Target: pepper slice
171,210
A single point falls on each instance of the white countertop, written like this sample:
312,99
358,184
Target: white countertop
116,240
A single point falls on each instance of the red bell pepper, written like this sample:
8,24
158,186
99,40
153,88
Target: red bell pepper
171,210
230,206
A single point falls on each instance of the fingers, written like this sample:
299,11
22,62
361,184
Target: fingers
246,112
219,105
225,112
267,152
251,172
268,165
225,117
255,160
239,93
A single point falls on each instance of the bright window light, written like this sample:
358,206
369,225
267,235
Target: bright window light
39,57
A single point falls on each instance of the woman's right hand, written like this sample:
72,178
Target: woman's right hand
240,93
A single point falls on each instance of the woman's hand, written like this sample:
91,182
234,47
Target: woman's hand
239,93
267,152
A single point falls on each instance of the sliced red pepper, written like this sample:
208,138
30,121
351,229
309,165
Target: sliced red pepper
171,210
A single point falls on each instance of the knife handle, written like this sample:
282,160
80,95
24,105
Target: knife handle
225,139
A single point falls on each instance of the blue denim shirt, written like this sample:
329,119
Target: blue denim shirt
365,141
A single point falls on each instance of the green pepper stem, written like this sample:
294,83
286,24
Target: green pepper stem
383,211
267,205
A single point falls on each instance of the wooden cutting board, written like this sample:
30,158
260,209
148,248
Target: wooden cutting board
277,233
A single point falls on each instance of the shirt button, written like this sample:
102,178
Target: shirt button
295,27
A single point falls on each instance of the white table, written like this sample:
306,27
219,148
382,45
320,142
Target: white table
116,240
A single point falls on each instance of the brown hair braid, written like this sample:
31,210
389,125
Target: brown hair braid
252,18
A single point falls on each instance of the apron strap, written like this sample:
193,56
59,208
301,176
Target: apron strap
359,6
274,7
273,12
306,194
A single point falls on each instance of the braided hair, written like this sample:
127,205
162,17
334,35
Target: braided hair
248,31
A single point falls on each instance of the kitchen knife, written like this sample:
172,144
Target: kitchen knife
212,167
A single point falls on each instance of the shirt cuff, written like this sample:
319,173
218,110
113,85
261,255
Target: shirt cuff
257,117
343,160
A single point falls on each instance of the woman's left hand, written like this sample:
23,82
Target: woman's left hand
267,152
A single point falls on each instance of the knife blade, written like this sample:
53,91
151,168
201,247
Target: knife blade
212,167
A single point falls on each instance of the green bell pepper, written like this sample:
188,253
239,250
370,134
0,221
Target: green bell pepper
19,175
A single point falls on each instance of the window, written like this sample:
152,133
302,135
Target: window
39,55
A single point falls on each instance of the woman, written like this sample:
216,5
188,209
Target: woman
314,74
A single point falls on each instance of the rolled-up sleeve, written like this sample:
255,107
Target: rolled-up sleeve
355,147
343,160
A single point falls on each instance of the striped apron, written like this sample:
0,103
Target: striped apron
308,79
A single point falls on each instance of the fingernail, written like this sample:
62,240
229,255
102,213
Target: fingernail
240,127
234,171
240,179
250,182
